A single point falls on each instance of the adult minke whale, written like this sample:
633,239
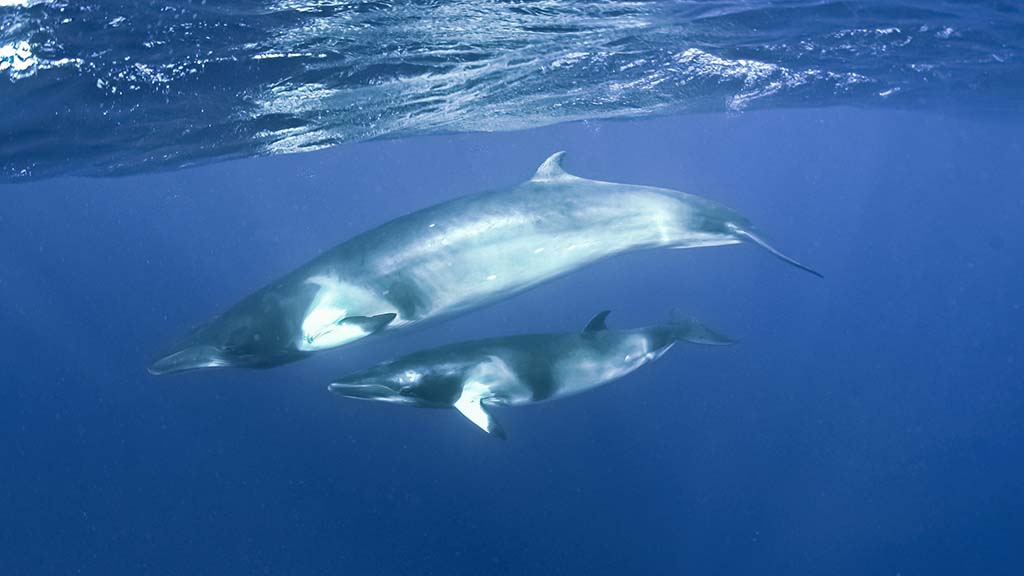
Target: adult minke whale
451,257
475,376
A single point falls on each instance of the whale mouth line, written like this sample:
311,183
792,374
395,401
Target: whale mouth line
378,392
191,358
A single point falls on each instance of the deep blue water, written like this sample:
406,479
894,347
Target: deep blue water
867,423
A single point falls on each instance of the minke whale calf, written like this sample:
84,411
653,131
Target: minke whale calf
475,376
451,257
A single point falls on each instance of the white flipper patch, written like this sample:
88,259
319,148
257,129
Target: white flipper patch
472,405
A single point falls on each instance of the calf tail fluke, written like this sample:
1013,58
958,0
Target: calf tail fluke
748,235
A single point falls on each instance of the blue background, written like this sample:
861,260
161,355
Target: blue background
867,423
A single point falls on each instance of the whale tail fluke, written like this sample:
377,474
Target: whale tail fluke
752,237
690,330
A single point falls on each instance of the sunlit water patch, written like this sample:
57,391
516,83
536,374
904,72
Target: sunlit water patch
116,87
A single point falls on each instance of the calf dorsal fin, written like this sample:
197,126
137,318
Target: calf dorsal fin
596,323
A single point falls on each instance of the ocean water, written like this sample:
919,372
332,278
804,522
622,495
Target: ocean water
864,423
113,87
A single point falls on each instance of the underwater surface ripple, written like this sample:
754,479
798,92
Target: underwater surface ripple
117,87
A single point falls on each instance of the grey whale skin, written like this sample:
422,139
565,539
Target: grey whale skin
475,376
452,257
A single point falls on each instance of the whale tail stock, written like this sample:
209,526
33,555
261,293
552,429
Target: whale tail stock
680,328
690,330
552,171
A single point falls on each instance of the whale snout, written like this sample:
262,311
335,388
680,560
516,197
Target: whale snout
190,358
369,388
363,391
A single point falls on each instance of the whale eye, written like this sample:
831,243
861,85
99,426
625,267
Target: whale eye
239,339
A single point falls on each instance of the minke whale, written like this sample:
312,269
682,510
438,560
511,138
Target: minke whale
475,376
452,257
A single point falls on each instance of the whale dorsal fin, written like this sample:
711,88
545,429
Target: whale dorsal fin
596,323
551,170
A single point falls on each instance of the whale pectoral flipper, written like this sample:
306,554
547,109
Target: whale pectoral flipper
748,235
475,409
